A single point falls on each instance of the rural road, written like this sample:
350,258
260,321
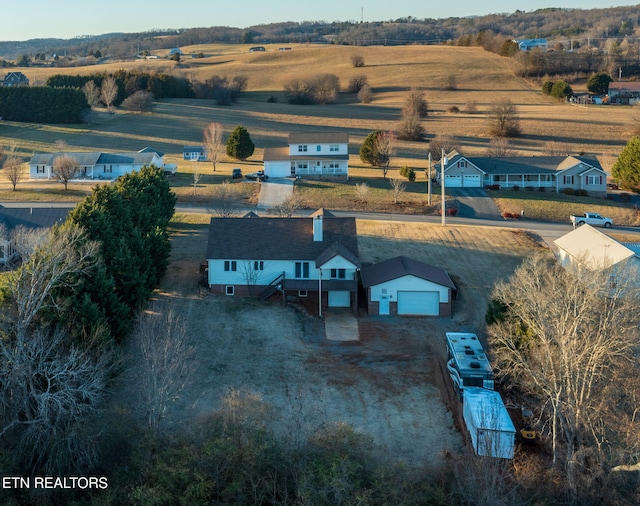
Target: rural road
546,231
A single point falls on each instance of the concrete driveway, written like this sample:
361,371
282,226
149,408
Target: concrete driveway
274,192
340,324
475,203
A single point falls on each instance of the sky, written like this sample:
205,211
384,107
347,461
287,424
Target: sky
31,19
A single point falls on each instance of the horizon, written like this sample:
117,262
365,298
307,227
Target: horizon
37,20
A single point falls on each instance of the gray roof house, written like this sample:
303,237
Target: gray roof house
15,79
95,164
314,257
28,217
553,173
309,154
194,153
405,286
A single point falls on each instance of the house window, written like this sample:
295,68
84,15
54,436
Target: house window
302,270
567,179
303,166
338,273
462,163
258,265
302,148
229,289
334,147
108,169
303,293
39,169
230,266
594,180
318,148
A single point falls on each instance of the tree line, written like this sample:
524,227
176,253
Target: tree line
42,104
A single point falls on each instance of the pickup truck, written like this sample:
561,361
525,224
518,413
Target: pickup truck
593,219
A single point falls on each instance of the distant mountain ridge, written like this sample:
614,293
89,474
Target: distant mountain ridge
552,23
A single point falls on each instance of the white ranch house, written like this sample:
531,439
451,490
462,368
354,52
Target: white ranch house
318,154
553,173
96,164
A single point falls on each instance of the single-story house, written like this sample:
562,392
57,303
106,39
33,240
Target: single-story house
96,164
586,247
312,257
27,217
623,92
318,154
554,173
529,44
15,79
405,286
194,153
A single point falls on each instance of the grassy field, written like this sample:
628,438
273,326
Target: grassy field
481,78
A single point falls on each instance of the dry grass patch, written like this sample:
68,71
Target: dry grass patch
551,206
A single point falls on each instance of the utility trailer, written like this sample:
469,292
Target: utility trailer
489,424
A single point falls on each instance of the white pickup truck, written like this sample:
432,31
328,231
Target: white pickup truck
593,219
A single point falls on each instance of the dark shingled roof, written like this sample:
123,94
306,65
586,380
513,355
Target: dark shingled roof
36,217
402,266
282,239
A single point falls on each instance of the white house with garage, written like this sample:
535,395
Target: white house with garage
552,173
313,258
96,164
405,286
309,154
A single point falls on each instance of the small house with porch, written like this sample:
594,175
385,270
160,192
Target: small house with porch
194,153
319,154
553,173
314,258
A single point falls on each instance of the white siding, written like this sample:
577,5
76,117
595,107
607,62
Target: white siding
408,283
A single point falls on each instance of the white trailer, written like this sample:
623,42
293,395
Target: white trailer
488,422
467,362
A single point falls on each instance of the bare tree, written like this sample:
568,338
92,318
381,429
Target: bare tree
48,386
64,168
554,148
500,147
415,104
160,337
385,148
109,92
410,128
357,60
564,338
362,191
59,146
503,119
289,206
471,107
140,101
27,240
451,83
196,178
251,271
443,142
213,144
92,93
12,171
225,200
365,95
398,186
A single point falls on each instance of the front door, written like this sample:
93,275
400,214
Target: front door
384,305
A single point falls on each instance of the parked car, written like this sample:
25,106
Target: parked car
592,219
257,176
612,186
236,173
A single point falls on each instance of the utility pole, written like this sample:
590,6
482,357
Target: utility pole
429,181
443,162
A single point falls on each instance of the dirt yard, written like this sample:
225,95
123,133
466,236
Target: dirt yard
389,384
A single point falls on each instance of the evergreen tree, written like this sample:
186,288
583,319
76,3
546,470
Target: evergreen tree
239,144
626,169
368,152
599,83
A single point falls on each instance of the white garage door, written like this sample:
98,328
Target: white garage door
452,181
339,299
420,303
471,181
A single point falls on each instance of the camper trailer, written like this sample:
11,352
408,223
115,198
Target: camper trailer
467,362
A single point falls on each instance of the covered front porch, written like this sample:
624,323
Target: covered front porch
522,180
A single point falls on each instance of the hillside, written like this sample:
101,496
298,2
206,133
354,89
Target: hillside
481,78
